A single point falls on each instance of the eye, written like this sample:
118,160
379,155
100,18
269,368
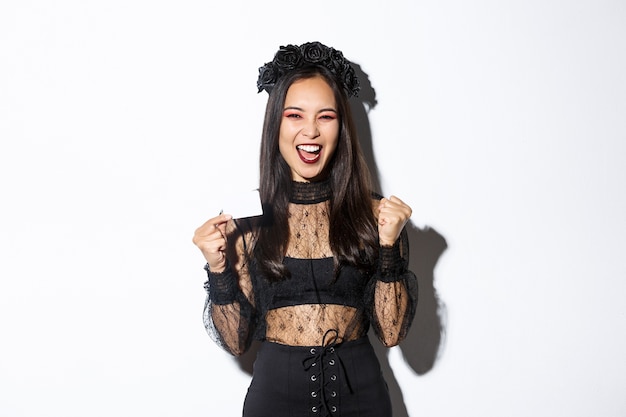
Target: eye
293,115
328,117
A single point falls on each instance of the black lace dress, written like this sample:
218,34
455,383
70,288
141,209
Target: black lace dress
315,359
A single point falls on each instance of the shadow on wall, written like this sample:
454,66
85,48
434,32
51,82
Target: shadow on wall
425,340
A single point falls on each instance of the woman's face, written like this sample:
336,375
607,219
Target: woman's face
309,128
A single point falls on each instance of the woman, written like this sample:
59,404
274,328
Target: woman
327,259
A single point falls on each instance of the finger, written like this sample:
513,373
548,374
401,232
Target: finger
211,242
395,199
210,225
392,201
394,204
220,220
213,245
392,209
221,228
211,233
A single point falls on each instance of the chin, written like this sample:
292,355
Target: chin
313,178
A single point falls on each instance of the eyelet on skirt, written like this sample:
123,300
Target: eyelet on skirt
282,387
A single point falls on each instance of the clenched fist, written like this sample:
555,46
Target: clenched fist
393,214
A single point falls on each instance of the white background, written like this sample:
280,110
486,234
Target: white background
503,124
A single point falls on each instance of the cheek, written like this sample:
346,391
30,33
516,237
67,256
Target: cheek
286,135
332,143
331,151
282,148
285,146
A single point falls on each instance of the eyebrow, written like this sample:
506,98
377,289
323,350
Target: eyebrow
301,109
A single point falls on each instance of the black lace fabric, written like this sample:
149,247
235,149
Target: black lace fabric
242,306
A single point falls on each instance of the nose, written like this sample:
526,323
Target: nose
311,130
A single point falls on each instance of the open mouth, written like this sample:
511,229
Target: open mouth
309,153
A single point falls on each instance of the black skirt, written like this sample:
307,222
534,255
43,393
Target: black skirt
339,380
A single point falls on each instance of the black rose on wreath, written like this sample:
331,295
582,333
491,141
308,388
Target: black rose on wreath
291,57
314,52
287,58
350,81
336,61
267,77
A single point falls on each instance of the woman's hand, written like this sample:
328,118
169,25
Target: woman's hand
393,214
210,238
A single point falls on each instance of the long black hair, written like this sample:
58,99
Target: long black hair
353,231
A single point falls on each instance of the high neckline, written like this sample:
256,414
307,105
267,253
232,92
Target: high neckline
310,192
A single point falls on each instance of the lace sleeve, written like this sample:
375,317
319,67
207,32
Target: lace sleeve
229,312
392,293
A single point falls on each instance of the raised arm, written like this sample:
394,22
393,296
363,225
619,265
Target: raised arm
392,293
229,312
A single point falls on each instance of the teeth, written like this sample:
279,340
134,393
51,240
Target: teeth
309,148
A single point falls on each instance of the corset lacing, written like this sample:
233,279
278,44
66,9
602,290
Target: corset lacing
322,361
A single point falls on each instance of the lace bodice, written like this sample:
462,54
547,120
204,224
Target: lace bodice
242,305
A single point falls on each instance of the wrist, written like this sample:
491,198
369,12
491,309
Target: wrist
386,243
221,287
214,269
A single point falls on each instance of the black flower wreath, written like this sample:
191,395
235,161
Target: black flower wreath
291,57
